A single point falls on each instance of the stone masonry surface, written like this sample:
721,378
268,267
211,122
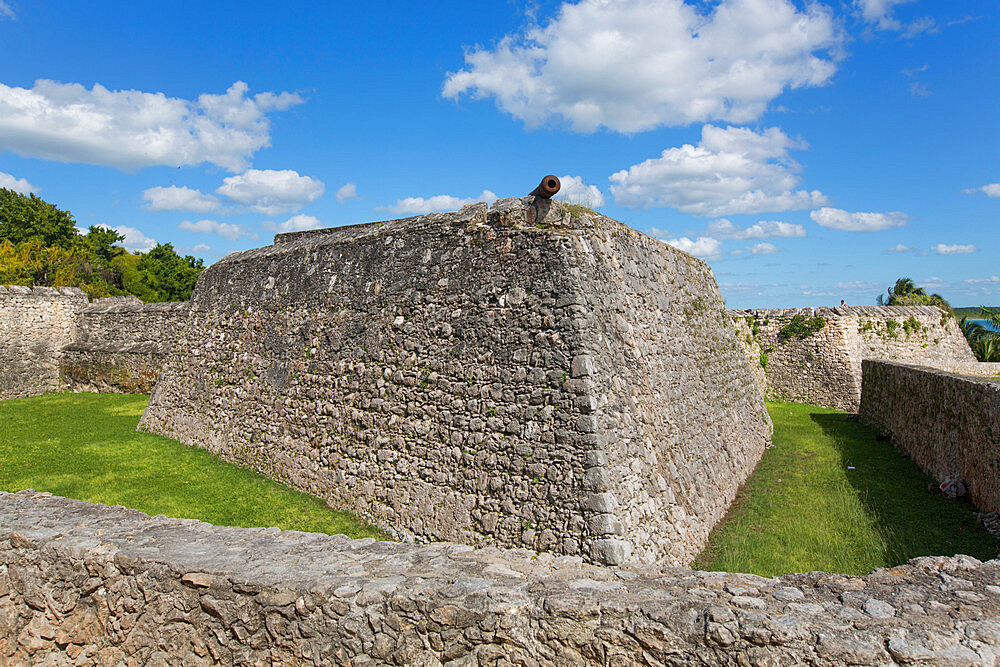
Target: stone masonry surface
35,324
515,375
84,584
824,367
121,344
948,424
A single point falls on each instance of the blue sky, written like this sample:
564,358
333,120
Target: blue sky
809,152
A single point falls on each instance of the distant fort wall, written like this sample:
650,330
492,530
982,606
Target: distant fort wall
35,325
121,344
55,339
948,424
815,355
513,376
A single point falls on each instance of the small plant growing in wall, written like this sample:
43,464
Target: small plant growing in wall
800,327
892,328
912,326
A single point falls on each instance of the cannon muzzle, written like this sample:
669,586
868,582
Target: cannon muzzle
548,187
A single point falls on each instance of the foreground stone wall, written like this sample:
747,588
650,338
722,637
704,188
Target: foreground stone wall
948,424
824,368
121,344
84,584
512,376
35,324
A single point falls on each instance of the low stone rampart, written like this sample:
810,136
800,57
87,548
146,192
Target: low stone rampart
84,584
822,364
121,344
949,424
35,324
521,375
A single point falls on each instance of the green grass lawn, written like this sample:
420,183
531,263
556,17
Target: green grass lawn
85,446
830,496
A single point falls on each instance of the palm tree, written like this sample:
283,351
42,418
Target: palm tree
906,293
985,344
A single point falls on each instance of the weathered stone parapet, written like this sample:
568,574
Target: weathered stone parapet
517,375
823,366
949,424
89,584
35,324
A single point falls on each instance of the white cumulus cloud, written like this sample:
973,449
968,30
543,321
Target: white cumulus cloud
270,191
957,249
347,192
764,249
574,191
990,190
704,247
130,129
731,170
835,218
899,247
135,240
296,223
880,15
765,229
16,184
634,65
182,198
224,229
421,205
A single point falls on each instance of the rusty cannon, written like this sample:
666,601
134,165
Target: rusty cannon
548,187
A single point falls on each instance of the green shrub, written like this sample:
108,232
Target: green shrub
800,327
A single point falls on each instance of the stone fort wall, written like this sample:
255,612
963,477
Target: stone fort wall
824,367
510,376
56,339
84,584
35,324
121,344
947,423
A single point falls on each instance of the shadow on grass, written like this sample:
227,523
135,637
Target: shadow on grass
912,520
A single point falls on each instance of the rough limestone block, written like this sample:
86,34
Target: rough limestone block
521,375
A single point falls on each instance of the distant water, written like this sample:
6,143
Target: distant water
986,324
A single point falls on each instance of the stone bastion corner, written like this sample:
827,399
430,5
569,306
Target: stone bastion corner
526,374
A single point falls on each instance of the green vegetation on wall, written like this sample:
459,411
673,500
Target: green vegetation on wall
41,245
800,327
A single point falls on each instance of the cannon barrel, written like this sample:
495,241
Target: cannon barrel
548,187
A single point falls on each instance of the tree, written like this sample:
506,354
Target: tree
906,293
26,217
101,241
165,276
985,343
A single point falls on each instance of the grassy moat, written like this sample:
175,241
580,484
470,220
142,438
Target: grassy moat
827,496
830,496
85,446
